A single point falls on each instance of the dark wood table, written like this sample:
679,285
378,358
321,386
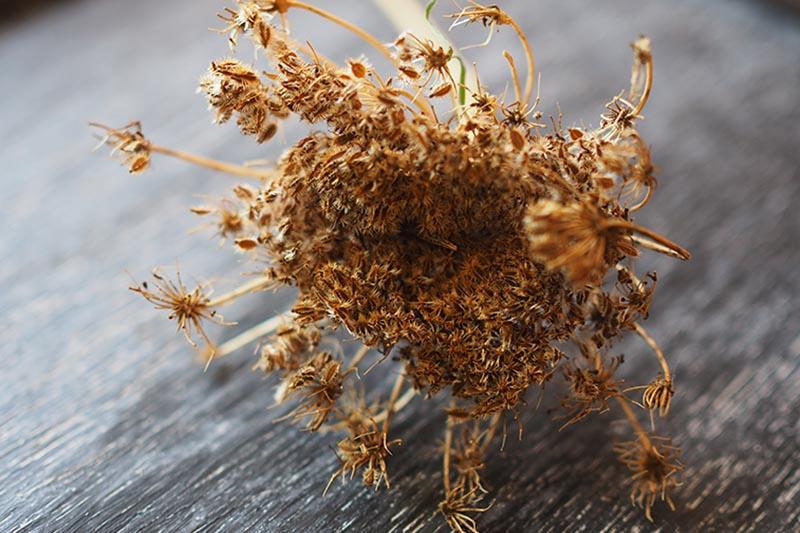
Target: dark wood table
108,422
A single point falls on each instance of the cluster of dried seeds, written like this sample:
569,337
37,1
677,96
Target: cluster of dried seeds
476,246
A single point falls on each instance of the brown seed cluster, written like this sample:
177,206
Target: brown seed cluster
482,251
233,88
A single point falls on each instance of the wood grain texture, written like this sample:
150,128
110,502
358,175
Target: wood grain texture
107,422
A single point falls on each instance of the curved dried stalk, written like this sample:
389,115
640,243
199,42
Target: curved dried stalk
366,36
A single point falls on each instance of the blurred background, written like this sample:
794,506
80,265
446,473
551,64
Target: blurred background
107,422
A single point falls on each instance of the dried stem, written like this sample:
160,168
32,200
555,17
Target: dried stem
369,38
421,103
227,168
359,355
655,347
637,427
398,384
399,405
648,86
514,75
529,57
250,286
448,444
246,337
677,250
494,423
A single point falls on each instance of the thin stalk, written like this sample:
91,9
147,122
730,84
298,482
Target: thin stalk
398,384
364,350
637,427
369,38
648,87
250,286
678,250
493,424
514,75
448,443
246,337
529,58
655,347
643,202
227,168
399,405
421,103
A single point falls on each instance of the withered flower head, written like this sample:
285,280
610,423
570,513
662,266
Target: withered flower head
366,448
289,347
251,17
230,221
130,143
187,308
486,15
473,245
577,237
318,384
654,470
421,58
658,395
457,507
591,386
232,87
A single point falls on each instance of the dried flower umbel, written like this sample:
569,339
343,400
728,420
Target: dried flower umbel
483,251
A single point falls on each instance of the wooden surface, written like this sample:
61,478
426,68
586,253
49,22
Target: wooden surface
107,422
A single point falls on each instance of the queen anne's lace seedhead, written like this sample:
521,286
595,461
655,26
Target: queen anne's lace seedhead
473,246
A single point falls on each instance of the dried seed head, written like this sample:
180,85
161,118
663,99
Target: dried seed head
591,386
187,308
658,395
654,470
229,220
422,57
318,383
487,15
234,88
366,448
289,347
478,245
575,237
250,18
457,507
130,143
